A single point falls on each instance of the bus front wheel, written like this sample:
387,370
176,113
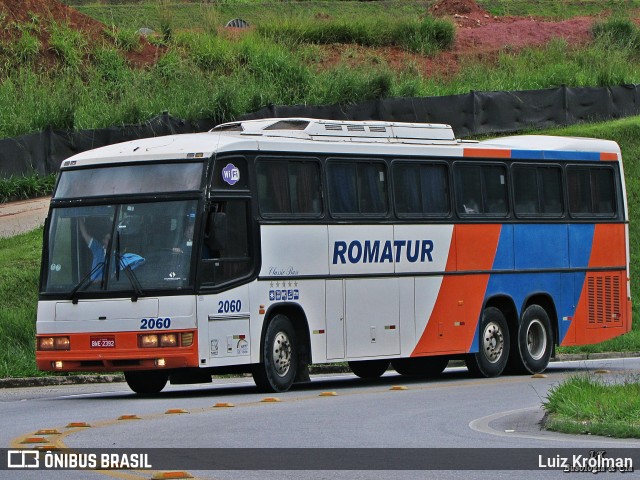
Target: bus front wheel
532,352
279,364
369,368
146,382
493,352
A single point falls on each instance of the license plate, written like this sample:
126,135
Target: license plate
103,342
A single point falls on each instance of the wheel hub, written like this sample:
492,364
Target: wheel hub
493,342
281,354
536,339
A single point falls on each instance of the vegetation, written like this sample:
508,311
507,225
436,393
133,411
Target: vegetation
307,52
27,186
587,404
20,260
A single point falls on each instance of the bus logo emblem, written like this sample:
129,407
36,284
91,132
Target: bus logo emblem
231,174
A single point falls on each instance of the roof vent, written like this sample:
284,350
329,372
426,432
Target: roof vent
288,125
228,127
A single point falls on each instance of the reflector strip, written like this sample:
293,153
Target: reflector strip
35,440
128,417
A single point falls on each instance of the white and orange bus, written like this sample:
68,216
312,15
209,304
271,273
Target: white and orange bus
265,246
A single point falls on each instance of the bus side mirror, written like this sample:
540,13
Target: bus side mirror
217,231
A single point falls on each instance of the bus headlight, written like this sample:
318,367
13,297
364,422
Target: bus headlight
148,341
54,343
168,340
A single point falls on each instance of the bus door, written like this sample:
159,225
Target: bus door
226,263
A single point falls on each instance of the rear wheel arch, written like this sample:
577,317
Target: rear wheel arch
546,302
508,308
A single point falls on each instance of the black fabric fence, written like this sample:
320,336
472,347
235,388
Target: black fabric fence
474,113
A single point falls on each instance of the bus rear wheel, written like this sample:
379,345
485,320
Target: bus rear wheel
148,382
279,364
493,352
532,352
369,368
423,366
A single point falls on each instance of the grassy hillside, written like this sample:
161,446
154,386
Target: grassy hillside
295,53
19,257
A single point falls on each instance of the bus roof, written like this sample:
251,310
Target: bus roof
305,135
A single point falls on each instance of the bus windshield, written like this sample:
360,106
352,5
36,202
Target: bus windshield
149,245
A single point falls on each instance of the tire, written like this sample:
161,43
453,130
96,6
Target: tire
423,366
493,353
279,364
146,382
369,368
532,348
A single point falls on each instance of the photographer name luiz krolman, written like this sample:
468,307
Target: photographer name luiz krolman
595,462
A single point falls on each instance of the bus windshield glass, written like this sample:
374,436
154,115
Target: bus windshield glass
149,245
129,179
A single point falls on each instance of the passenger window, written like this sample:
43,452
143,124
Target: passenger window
591,191
289,187
357,187
481,189
421,189
537,190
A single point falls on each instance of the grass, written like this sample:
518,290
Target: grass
26,186
20,260
426,36
586,404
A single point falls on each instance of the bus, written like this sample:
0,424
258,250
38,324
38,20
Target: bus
266,246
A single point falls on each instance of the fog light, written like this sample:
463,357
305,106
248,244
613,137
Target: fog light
57,365
168,340
160,362
148,341
186,339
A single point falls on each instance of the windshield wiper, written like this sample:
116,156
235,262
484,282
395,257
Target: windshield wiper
133,279
81,283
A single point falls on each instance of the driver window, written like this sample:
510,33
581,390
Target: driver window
226,251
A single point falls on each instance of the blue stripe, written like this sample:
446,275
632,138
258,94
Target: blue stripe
531,246
555,155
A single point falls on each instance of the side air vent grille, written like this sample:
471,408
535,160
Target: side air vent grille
355,128
378,129
603,300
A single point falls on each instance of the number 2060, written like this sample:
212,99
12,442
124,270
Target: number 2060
154,323
227,306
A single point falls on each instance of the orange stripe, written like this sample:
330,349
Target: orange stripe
487,153
608,156
453,322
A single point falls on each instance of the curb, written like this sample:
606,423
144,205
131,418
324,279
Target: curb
313,370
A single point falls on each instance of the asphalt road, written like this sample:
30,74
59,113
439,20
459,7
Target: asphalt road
23,216
455,411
